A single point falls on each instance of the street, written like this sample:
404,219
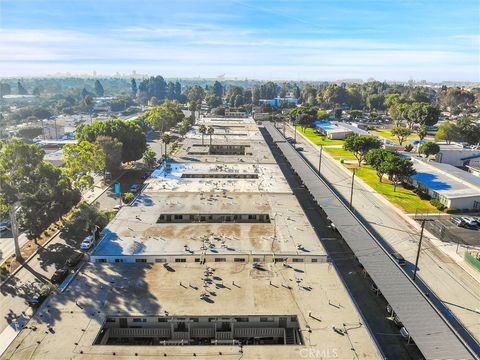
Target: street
458,290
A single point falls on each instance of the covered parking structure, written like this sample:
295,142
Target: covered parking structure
430,331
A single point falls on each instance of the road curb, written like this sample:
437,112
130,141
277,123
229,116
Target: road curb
427,234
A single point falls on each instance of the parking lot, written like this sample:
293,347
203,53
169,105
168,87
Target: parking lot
447,231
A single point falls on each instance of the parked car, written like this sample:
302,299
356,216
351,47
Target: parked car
36,299
59,275
398,258
291,140
87,243
4,225
469,222
375,289
458,221
145,175
134,188
74,259
299,148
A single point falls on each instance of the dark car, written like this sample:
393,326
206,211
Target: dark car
145,175
74,259
59,275
398,259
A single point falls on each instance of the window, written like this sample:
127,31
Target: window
257,259
197,259
297,260
137,320
101,260
180,260
264,319
314,260
220,259
160,260
141,260
242,319
252,217
178,217
162,319
239,260
111,320
119,260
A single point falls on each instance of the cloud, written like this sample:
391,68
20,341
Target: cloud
205,49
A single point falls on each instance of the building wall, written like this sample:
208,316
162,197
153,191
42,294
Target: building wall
454,156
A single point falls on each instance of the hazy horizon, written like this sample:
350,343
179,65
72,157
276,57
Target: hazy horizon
307,40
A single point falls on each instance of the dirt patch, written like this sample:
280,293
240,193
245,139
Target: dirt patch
167,231
229,230
194,230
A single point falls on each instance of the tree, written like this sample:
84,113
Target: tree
81,160
213,101
395,112
375,101
401,133
361,145
149,158
166,139
422,114
21,89
165,116
98,88
354,114
421,131
448,132
85,221
398,169
30,132
129,133
134,88
210,132
153,101
184,126
153,86
5,89
202,129
239,100
195,95
113,152
468,130
43,191
429,148
456,99
217,89
376,158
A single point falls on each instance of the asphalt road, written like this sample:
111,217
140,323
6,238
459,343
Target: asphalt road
457,291
371,305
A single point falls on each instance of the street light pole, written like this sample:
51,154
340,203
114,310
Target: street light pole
351,189
320,159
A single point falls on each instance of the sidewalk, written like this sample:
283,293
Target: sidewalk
446,274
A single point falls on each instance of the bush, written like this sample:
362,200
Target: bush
423,195
128,197
437,204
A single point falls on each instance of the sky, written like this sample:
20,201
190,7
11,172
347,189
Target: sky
433,40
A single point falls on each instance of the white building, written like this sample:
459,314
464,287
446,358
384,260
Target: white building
453,187
455,154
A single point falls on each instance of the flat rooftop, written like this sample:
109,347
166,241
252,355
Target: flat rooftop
207,177
68,324
446,180
136,231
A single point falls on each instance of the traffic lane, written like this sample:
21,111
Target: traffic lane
445,278
372,306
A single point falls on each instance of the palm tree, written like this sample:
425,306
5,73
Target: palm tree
210,132
203,130
166,138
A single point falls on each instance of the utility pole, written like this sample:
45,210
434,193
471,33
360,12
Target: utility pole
419,248
351,189
14,227
320,159
283,127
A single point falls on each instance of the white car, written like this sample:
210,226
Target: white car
87,243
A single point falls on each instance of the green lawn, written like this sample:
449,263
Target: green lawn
317,139
406,199
339,153
388,135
